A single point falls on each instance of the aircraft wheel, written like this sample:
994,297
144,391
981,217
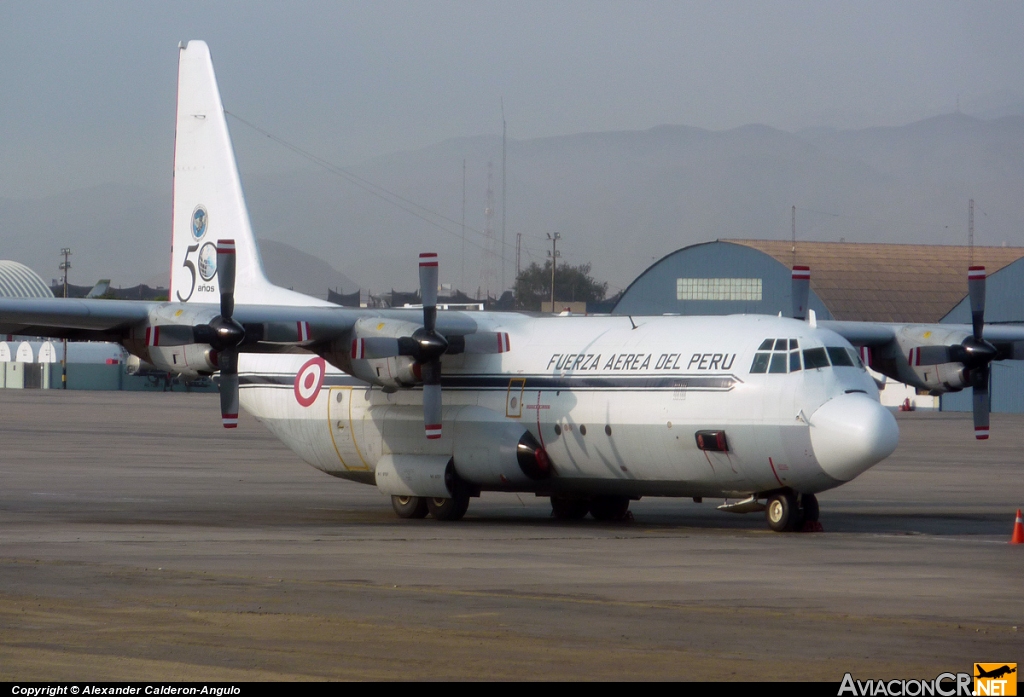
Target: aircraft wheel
409,506
782,512
606,508
569,509
449,509
810,505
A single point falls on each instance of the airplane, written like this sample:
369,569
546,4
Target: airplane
996,672
436,407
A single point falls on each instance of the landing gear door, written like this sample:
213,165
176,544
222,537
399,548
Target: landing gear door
514,398
346,432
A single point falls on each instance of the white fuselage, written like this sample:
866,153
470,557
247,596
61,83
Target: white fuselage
616,407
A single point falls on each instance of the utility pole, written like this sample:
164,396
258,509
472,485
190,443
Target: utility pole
462,278
970,233
65,266
794,236
554,258
503,129
519,254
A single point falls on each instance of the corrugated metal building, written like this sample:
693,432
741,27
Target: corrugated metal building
860,282
849,281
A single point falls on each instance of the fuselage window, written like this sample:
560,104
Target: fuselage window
815,358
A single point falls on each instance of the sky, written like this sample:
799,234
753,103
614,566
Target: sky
88,88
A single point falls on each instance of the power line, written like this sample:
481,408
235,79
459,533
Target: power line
366,185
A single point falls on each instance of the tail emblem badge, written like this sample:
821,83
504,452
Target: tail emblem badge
199,222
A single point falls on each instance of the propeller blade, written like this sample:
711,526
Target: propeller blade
228,362
976,290
428,289
801,290
169,335
432,399
480,343
226,274
979,379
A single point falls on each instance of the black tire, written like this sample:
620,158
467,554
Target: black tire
409,506
809,504
607,508
782,513
569,509
449,509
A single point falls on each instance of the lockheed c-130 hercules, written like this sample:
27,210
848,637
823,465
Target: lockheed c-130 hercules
435,407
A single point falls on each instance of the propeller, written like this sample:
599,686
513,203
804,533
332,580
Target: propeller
979,353
427,345
430,347
975,353
224,334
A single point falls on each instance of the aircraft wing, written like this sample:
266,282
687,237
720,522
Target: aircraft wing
879,334
71,318
862,333
112,320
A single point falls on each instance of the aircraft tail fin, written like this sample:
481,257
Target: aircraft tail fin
208,201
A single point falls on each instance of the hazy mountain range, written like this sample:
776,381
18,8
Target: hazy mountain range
619,200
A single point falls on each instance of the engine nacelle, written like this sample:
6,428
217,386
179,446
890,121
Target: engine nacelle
493,452
939,378
397,372
945,377
190,360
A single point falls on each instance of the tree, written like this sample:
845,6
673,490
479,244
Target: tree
572,284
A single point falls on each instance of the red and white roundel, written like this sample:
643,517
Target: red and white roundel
308,381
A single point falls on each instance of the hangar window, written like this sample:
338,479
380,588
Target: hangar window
718,289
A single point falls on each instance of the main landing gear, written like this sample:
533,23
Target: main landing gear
603,508
787,511
441,509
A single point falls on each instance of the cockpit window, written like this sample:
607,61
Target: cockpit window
794,361
839,356
855,358
776,356
815,358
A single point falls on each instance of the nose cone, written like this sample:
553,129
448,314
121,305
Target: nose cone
850,433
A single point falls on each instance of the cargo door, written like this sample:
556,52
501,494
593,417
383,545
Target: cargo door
346,432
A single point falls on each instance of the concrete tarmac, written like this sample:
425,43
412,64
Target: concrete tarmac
141,541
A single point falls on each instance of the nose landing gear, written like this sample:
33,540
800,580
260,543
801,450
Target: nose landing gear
787,513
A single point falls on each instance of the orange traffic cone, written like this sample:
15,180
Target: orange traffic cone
1018,530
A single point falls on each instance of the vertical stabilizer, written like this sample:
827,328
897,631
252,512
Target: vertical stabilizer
208,201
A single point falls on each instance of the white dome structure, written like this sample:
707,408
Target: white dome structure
19,281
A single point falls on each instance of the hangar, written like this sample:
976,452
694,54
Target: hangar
849,281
